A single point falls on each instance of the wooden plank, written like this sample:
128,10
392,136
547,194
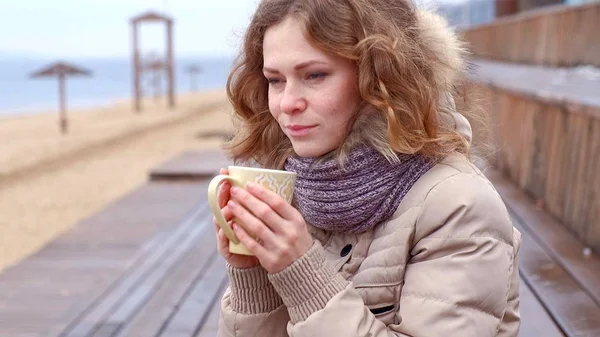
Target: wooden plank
540,163
575,23
154,208
193,313
564,39
64,280
593,198
541,34
211,326
591,54
551,36
510,137
563,248
93,318
137,297
559,162
571,307
535,320
582,169
191,165
529,111
521,143
171,294
552,126
575,141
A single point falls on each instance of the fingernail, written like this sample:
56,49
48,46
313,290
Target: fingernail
232,204
235,190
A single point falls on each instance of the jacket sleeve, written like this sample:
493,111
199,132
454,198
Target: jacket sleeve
456,282
251,306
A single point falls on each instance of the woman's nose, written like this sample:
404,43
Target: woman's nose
293,101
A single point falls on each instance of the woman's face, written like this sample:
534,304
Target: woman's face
313,95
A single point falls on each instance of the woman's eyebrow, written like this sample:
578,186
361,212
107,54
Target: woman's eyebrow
297,67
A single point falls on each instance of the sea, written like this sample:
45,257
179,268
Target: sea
111,80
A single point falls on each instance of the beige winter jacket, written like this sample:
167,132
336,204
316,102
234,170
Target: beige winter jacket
444,265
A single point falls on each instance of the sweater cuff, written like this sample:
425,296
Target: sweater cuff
307,285
251,291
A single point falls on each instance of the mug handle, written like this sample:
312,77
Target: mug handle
213,188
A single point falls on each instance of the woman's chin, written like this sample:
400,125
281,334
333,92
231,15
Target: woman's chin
308,150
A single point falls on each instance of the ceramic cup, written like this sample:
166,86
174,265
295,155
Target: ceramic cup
280,182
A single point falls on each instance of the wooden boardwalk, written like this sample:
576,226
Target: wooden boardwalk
147,266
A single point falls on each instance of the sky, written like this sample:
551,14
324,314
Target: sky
101,29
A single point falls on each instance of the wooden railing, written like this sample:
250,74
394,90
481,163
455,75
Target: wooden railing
554,36
551,151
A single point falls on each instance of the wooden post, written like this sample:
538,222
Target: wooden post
170,65
62,103
156,83
136,69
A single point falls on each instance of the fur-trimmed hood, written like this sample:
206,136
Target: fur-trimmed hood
449,69
451,52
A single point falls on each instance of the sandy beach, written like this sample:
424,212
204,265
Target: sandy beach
46,177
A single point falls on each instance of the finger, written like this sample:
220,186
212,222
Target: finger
274,200
223,192
252,224
257,207
223,195
227,214
222,243
251,243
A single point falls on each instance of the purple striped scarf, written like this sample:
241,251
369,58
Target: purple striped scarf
365,193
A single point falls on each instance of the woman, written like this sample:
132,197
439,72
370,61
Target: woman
393,231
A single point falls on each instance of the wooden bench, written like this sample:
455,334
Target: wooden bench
191,166
546,131
575,88
148,266
546,128
557,271
558,35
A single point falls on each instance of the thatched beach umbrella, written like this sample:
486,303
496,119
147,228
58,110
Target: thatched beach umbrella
61,70
193,70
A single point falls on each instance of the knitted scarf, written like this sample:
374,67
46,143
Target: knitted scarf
358,197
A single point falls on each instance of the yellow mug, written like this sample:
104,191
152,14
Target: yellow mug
280,182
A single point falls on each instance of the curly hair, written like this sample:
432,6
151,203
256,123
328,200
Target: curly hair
402,79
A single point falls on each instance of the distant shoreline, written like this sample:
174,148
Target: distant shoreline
52,107
110,81
84,105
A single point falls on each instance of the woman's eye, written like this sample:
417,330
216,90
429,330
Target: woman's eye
273,80
315,76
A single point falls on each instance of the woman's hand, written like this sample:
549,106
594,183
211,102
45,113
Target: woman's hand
235,260
279,232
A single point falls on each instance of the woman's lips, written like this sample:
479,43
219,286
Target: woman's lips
299,130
